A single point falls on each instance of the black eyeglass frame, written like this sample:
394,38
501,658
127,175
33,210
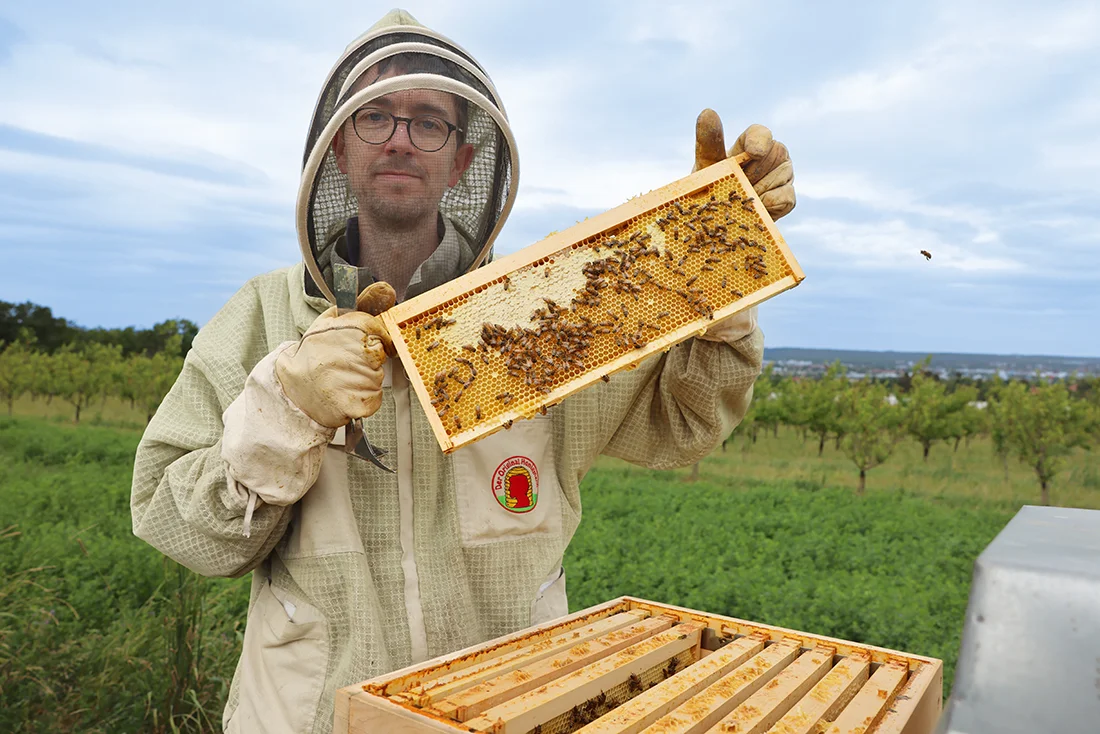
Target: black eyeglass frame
451,128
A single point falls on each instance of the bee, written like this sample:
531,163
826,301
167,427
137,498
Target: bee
507,425
443,411
458,423
691,280
662,315
927,254
671,669
418,333
477,412
743,226
485,358
469,347
446,322
625,311
706,267
760,227
546,273
634,683
723,281
433,345
605,378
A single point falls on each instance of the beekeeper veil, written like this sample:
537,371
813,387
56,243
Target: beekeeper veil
409,147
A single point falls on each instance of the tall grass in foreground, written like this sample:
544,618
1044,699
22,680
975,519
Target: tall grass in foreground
100,633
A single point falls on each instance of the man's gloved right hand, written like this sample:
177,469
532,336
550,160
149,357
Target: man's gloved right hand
334,374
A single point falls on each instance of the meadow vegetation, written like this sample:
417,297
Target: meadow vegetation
100,633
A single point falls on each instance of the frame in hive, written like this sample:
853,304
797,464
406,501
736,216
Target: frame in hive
630,666
519,335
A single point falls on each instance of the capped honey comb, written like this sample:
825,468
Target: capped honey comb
631,665
519,335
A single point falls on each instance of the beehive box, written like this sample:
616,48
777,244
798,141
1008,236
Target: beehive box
631,666
519,335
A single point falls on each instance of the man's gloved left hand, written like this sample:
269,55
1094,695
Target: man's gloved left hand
769,171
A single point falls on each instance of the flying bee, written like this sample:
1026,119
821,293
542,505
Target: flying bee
927,254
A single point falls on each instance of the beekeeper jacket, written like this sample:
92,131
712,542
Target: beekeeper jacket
372,571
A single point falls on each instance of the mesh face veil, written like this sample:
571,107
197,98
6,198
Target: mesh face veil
375,192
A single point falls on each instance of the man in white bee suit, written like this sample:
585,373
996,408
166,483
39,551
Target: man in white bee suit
356,571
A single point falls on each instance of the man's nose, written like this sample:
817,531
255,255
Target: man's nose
400,142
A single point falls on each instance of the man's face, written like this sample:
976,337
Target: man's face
396,183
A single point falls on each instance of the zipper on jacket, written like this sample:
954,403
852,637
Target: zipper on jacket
414,609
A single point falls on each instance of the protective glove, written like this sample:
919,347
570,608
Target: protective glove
769,171
771,174
334,374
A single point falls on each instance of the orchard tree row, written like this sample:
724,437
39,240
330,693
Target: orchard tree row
82,374
1039,423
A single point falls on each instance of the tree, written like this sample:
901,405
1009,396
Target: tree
1042,425
929,413
146,380
83,374
872,426
820,404
17,367
963,419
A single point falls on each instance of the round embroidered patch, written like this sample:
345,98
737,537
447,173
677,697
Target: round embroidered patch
516,484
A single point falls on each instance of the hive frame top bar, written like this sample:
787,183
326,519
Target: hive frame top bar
442,297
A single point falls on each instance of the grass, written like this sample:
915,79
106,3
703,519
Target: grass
99,633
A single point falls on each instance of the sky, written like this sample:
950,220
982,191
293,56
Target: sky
150,153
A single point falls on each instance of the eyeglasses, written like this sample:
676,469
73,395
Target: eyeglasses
427,132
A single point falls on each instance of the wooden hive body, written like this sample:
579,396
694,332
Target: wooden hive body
632,666
522,333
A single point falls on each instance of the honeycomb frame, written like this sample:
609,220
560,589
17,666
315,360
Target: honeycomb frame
589,301
631,665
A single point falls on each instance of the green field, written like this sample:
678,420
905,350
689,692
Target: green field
99,634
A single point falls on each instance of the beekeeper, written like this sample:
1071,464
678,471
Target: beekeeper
409,174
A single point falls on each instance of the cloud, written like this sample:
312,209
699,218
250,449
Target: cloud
894,245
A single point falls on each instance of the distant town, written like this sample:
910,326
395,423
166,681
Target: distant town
891,365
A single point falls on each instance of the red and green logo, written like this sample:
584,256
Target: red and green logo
516,484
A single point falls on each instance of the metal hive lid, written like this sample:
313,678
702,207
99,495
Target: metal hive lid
1030,657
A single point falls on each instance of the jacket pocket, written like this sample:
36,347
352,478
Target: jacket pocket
323,522
506,485
282,667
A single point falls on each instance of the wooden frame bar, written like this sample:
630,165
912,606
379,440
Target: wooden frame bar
647,707
828,698
429,692
915,711
705,710
872,701
467,704
523,713
765,707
